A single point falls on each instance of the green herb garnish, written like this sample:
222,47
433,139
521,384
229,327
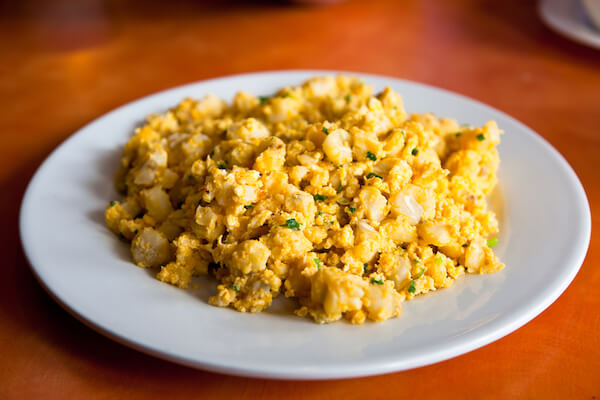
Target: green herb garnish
339,188
262,99
438,260
249,206
319,212
365,265
136,231
318,262
347,98
112,203
371,156
492,242
480,137
325,131
458,134
414,151
292,224
352,209
221,166
411,288
416,260
376,281
465,245
191,177
373,175
319,197
235,288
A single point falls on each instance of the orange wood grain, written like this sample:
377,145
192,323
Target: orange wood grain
64,63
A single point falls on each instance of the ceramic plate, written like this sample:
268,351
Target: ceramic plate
545,230
569,18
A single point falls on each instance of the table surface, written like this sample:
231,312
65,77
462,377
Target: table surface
64,63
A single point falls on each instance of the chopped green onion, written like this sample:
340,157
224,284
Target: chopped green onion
438,260
292,224
411,288
262,99
492,242
365,265
235,288
371,156
319,212
416,260
318,262
480,137
352,209
319,197
112,203
414,151
249,206
325,131
339,188
457,134
347,98
136,231
376,281
221,166
373,175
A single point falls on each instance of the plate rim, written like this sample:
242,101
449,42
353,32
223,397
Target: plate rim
576,257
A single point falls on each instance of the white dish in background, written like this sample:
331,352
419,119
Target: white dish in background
545,231
592,8
570,19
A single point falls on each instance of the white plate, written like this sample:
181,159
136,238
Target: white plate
569,18
545,222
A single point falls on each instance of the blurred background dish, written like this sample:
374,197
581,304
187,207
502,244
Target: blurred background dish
573,19
592,7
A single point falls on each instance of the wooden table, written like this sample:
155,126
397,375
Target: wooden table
65,63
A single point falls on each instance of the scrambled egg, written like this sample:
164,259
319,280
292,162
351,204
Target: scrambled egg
324,192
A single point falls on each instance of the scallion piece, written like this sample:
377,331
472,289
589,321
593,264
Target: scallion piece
318,262
373,175
292,224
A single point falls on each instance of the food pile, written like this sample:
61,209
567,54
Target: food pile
323,192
